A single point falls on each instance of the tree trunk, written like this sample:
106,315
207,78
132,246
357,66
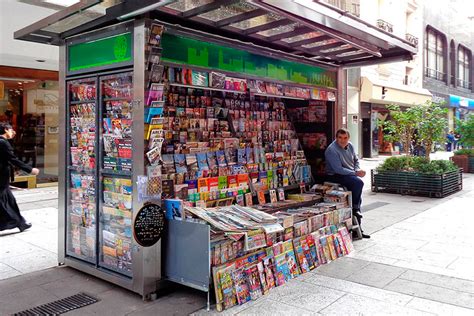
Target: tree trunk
428,150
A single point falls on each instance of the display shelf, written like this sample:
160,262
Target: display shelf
288,187
80,169
205,88
110,172
277,96
82,101
117,99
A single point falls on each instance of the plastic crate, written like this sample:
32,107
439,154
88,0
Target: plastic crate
413,183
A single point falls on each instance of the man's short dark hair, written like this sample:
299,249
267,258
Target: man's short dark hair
4,127
343,131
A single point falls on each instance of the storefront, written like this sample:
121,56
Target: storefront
228,105
462,106
375,96
29,102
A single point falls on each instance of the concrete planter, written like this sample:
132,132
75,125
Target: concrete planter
413,183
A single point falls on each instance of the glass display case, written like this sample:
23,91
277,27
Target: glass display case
81,205
115,212
100,184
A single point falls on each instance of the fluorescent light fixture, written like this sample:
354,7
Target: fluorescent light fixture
144,9
64,3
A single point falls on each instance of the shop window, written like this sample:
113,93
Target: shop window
464,66
31,107
435,55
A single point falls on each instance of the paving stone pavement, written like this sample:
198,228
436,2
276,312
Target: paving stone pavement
418,262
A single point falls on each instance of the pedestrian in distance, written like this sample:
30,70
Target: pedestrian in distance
450,141
342,166
10,216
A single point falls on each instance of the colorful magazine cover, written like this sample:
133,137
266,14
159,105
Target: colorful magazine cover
180,163
269,266
227,286
346,239
303,263
292,265
221,159
332,248
263,279
313,250
307,252
282,272
202,161
240,285
253,281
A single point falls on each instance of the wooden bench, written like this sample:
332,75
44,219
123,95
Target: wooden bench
29,179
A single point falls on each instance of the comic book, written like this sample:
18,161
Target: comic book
332,248
300,256
221,159
307,252
180,163
339,245
282,272
347,242
227,286
313,250
253,281
263,280
322,248
240,285
269,267
292,265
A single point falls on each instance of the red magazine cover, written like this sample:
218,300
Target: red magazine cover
241,287
253,280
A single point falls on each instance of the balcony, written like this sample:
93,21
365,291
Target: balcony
464,84
384,25
412,39
351,6
433,73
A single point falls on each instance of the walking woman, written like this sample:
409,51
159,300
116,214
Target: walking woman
10,216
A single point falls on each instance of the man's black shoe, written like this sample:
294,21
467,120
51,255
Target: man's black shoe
365,235
24,227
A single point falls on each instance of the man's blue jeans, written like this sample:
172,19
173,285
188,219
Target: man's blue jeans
353,184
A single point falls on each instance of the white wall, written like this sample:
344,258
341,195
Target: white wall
14,16
395,13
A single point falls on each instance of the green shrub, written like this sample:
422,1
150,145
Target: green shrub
417,164
395,164
468,152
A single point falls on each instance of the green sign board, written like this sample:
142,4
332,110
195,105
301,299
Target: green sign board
183,50
102,52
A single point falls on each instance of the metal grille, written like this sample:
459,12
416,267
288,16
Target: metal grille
61,306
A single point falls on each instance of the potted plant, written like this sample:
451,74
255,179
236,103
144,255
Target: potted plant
464,158
424,124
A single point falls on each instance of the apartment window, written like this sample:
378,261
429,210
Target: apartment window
452,61
464,66
435,54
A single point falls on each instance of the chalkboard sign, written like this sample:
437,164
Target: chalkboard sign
149,225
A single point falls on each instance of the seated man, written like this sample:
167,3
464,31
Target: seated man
342,166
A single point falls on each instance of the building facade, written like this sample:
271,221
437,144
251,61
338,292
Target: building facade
370,89
448,43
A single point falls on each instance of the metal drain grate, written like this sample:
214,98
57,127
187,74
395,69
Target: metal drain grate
61,306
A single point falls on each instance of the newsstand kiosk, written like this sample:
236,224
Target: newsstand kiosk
157,118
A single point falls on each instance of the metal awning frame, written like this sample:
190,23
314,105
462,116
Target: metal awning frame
360,43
